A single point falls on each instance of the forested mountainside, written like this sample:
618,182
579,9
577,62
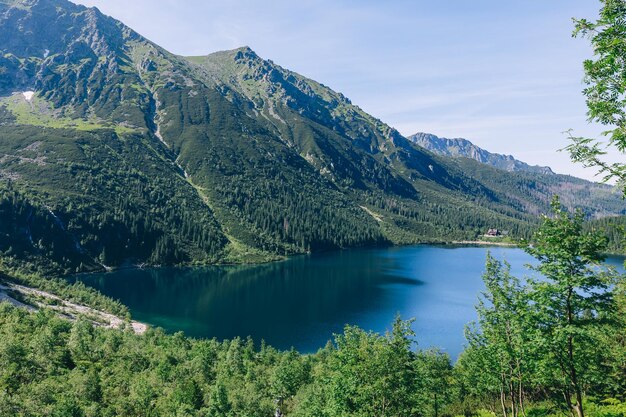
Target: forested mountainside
615,230
117,151
529,187
531,192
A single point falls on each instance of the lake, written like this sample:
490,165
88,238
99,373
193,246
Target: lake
302,301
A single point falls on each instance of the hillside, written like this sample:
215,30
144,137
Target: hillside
116,151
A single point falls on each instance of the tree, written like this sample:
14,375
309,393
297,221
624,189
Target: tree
606,100
367,374
435,372
501,341
290,373
613,383
218,403
539,338
80,340
606,89
572,304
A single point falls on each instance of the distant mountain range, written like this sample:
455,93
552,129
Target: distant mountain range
460,147
115,151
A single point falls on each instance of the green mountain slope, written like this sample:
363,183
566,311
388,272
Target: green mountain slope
404,188
126,153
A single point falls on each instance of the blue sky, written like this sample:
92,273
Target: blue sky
505,74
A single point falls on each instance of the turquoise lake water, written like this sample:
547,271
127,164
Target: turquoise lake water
301,302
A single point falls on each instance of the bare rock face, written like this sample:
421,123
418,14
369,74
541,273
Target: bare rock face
71,55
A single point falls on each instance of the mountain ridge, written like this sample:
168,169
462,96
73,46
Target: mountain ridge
460,147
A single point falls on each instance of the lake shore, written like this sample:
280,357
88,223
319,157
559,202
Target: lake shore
282,258
33,299
484,243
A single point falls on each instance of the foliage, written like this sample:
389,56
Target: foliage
49,366
76,293
78,201
367,374
606,91
573,306
501,343
539,338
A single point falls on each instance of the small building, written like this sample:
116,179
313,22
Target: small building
493,233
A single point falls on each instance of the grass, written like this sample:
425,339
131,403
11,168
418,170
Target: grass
237,252
38,112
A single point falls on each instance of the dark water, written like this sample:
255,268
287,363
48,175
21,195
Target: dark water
301,302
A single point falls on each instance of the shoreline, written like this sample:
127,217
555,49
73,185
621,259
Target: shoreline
484,243
37,299
282,258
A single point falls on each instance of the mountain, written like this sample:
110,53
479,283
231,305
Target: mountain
516,178
115,151
460,147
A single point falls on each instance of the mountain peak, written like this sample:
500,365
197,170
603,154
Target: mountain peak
244,49
230,55
30,4
245,52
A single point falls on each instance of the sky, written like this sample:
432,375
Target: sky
506,75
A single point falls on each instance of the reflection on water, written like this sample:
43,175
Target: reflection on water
301,302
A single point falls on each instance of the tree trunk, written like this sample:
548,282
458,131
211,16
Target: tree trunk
579,409
568,400
570,356
513,402
521,400
520,387
503,401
